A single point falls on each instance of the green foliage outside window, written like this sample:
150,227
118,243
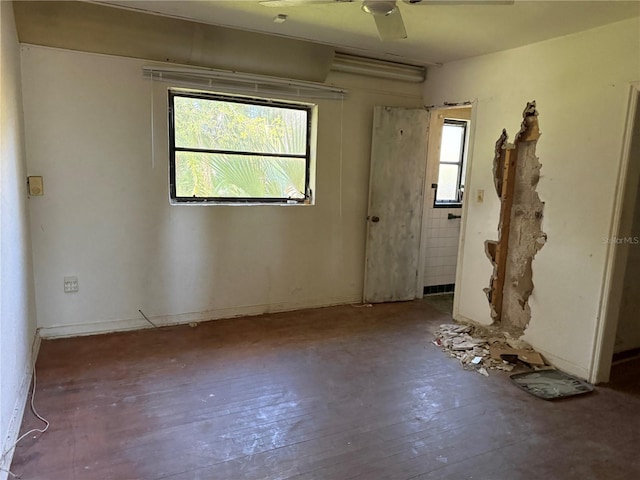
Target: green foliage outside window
234,135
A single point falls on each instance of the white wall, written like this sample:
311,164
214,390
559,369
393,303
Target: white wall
106,218
17,311
581,85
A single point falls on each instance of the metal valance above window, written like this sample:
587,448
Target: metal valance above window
243,83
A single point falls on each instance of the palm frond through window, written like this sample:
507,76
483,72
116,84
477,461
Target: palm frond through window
235,149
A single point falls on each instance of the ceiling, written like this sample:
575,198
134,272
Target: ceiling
437,33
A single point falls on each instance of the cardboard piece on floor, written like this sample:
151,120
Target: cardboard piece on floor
530,357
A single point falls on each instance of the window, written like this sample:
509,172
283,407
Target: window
238,149
450,187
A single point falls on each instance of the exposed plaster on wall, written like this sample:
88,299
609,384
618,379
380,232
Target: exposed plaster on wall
498,162
523,219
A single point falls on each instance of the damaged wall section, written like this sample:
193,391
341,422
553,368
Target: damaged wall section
520,236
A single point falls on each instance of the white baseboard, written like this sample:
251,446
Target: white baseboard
139,323
18,411
462,319
564,365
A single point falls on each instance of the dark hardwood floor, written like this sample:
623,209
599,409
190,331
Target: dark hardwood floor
327,394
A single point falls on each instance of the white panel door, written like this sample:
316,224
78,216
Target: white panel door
396,188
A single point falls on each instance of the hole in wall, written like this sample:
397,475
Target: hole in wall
516,172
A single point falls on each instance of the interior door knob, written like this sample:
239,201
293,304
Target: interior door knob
375,219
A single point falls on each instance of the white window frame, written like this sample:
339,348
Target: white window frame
457,203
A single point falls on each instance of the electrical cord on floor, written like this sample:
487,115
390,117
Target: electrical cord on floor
13,475
33,430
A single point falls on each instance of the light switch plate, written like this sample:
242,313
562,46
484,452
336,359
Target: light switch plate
36,186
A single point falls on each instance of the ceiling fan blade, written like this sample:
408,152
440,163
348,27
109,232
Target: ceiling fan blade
459,2
390,27
298,3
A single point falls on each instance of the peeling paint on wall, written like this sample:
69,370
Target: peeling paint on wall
516,170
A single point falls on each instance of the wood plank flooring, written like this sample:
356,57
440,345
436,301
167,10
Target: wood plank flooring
329,394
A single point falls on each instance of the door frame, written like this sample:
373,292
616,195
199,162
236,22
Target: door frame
611,295
470,149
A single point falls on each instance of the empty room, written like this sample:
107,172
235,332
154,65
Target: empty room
320,239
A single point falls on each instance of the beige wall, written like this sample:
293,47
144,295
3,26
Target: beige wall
581,85
90,27
17,307
106,216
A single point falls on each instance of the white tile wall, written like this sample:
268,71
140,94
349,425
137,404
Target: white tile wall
442,236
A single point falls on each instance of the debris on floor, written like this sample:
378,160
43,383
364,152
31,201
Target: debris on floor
550,384
483,348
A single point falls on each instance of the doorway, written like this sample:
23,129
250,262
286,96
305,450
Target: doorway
627,340
618,336
447,158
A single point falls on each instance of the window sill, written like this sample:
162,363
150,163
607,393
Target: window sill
447,205
239,204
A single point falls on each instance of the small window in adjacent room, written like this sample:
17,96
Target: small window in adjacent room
450,187
226,149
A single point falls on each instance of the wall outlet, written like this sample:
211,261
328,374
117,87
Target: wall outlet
70,284
480,196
